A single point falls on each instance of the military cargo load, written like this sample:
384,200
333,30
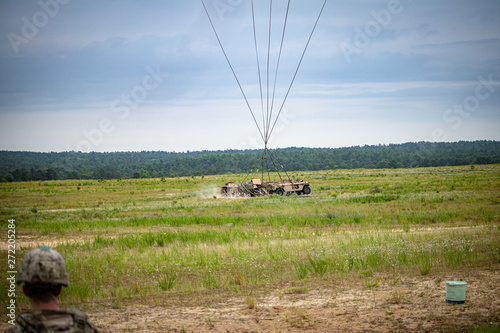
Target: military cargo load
258,188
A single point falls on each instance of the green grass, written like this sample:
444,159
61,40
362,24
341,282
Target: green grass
146,240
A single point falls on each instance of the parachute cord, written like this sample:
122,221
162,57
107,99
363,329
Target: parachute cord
255,165
275,167
267,167
232,70
268,57
258,69
284,170
262,171
266,132
245,178
296,71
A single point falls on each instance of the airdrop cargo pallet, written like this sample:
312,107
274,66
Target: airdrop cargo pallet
258,188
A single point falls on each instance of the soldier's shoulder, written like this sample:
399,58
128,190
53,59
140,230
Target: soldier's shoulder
69,320
81,320
76,313
14,329
21,320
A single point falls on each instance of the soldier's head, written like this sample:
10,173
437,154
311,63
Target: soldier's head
44,274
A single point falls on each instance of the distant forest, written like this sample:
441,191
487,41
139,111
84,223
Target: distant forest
32,166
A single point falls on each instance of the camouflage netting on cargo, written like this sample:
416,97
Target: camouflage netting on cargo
248,189
257,187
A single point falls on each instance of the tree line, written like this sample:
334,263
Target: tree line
33,166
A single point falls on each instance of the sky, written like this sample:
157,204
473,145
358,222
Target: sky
130,75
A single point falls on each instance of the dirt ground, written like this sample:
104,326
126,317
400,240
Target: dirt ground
398,303
401,305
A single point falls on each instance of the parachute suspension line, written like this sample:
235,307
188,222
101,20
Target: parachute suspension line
263,157
258,69
266,134
268,57
256,164
265,160
268,173
296,71
276,168
232,70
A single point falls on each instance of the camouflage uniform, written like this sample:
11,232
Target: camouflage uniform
70,320
44,268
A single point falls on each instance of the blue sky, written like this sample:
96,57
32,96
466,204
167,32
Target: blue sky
134,75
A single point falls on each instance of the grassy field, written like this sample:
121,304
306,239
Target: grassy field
165,242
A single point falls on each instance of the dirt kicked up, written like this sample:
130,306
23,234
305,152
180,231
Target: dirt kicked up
407,304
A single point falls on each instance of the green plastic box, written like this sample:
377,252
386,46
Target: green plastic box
455,292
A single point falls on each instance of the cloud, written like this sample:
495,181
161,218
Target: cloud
417,64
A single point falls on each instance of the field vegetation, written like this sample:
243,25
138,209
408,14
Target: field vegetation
174,241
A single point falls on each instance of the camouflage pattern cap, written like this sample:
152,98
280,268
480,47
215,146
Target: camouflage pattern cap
43,266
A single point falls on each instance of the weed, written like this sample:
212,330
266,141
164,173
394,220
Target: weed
299,318
166,282
250,302
496,255
366,273
396,297
302,270
318,265
486,329
370,283
211,281
424,264
238,279
393,281
80,292
297,290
